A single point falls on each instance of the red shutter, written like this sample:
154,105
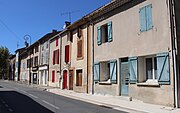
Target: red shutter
53,76
67,53
57,56
56,42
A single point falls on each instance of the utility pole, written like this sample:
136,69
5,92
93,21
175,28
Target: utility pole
69,13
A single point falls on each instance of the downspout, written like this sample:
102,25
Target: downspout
174,54
92,57
60,60
87,58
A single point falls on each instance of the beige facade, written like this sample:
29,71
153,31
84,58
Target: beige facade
54,61
128,41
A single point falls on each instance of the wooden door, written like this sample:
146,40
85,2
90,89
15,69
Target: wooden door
71,80
65,80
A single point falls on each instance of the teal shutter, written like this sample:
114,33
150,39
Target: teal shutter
110,32
133,69
113,71
142,14
96,71
99,35
163,73
149,23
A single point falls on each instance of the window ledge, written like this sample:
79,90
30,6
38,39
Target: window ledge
108,82
148,84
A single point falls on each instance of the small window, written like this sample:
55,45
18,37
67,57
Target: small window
79,77
36,61
67,53
79,48
56,42
151,68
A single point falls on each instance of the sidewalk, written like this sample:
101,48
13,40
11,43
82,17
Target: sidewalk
114,102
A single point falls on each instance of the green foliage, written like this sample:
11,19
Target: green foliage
4,65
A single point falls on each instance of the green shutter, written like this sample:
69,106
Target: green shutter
133,69
163,73
96,71
149,23
110,32
99,40
113,71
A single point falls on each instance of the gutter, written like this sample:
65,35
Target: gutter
174,48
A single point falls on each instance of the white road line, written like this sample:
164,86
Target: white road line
50,104
23,91
6,105
33,95
10,110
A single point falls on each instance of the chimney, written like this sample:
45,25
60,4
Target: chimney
66,24
54,31
26,44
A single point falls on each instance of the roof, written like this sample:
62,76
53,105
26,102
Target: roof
98,12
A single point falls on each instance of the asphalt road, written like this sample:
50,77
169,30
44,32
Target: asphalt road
17,98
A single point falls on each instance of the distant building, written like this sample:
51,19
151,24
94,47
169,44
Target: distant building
12,61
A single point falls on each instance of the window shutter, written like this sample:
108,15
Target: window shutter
99,40
96,71
67,53
53,76
57,60
79,49
56,42
113,71
133,69
163,74
110,32
142,14
149,16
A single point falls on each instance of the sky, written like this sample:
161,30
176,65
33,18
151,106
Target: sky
38,17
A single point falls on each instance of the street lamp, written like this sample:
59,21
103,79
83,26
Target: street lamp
28,37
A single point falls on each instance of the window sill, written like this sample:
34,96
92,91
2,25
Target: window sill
156,84
108,82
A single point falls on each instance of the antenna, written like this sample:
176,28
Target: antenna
69,13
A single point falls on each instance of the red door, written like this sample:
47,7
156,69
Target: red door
65,80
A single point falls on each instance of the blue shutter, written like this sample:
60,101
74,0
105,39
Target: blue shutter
110,32
149,23
96,71
163,74
113,71
142,14
133,69
99,35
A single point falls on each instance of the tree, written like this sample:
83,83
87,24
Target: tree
4,64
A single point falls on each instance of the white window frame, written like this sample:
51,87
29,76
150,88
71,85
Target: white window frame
153,69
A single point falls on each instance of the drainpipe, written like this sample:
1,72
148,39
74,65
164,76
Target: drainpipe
174,54
60,59
92,40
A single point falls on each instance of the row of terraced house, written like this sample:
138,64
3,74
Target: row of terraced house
124,48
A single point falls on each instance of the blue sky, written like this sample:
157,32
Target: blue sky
38,17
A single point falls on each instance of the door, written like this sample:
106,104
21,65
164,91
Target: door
65,80
124,78
71,80
34,78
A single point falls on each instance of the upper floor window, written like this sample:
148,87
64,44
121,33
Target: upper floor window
57,42
36,49
104,33
56,57
146,18
67,53
36,61
79,44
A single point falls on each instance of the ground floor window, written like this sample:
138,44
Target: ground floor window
79,77
151,68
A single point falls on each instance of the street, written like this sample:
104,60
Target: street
18,98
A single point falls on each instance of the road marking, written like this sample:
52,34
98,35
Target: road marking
10,110
23,91
50,104
33,95
6,105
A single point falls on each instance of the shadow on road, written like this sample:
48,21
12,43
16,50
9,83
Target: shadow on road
14,102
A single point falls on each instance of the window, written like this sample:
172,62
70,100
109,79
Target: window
36,61
36,49
146,18
106,71
67,53
151,68
56,57
104,33
29,63
79,48
53,76
47,45
42,48
47,56
79,77
57,42
42,59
